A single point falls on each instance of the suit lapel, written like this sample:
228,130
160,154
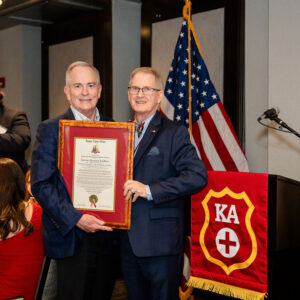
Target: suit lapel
69,114
146,142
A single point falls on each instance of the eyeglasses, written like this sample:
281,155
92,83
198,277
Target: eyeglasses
147,91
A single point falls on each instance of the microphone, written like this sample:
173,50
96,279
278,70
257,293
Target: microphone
271,113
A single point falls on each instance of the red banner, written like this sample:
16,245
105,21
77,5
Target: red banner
229,235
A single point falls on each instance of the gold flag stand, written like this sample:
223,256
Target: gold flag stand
187,294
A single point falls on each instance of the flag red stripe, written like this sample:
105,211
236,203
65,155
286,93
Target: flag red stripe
217,140
197,138
228,121
183,285
187,249
161,112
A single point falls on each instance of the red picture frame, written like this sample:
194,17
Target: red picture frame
91,170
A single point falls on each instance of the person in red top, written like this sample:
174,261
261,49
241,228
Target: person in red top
21,246
29,197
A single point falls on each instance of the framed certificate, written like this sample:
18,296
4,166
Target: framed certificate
95,160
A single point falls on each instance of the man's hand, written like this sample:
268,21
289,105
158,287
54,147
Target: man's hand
90,223
135,189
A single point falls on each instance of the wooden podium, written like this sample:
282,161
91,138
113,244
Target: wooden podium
283,238
283,241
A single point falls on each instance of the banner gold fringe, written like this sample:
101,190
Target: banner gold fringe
225,289
187,295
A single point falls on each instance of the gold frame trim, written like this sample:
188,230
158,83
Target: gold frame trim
130,147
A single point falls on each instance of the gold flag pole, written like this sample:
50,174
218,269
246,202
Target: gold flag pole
187,15
187,295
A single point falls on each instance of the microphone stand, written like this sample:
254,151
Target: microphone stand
284,125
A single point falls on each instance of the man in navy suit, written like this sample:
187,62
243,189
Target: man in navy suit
14,134
166,168
84,248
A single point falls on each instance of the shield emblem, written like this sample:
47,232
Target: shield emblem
226,237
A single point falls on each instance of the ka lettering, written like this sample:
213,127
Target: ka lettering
221,211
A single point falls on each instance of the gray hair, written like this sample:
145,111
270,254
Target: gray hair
81,64
148,70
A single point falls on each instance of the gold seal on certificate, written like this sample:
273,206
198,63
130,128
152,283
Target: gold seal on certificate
93,199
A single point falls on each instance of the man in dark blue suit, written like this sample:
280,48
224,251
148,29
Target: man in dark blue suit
14,134
84,248
166,168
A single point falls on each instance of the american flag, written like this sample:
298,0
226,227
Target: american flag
212,132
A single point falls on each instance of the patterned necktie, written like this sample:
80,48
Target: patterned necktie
139,127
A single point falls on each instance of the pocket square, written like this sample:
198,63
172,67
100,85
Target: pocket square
153,151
